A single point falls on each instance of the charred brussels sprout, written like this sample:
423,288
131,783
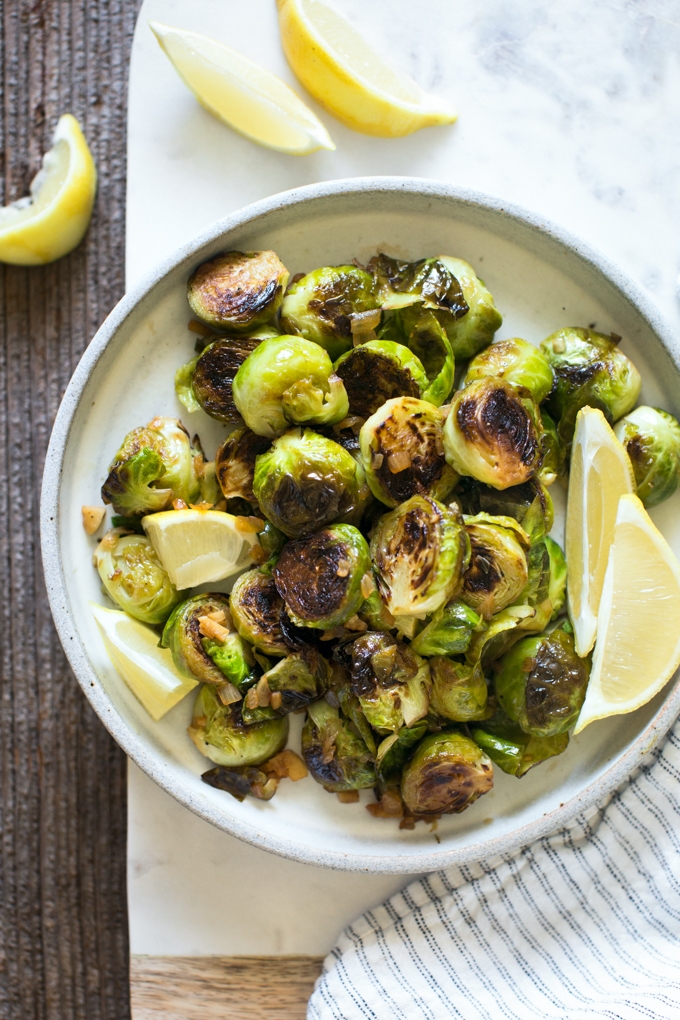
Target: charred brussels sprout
402,450
475,330
321,305
154,465
235,463
449,632
390,681
493,433
557,585
132,575
291,685
589,370
203,643
518,363
238,291
458,692
420,552
334,752
219,733
554,454
377,371
207,381
288,380
427,282
513,750
541,683
256,609
530,504
320,577
305,481
652,439
446,774
242,782
425,337
498,570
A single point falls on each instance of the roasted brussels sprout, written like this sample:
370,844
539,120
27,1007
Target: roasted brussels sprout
377,371
425,337
589,370
530,504
335,754
154,465
513,750
289,686
305,481
204,644
238,291
320,577
321,305
420,552
235,463
493,433
392,754
652,439
446,774
557,585
256,609
132,575
219,733
288,380
458,692
502,632
553,451
428,282
374,612
402,450
475,330
518,363
541,683
390,681
498,570
449,632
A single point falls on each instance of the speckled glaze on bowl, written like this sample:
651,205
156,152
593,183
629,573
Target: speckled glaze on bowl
542,279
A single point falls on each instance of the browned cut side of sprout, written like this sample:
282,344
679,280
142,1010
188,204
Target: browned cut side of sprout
214,373
238,290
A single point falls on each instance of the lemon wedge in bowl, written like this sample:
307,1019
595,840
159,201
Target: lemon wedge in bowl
638,628
345,75
52,220
147,669
242,94
201,546
599,475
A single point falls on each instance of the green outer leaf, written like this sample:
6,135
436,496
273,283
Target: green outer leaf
183,385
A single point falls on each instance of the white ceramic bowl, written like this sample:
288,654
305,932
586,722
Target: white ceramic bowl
542,279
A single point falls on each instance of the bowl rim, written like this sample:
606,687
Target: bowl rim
53,567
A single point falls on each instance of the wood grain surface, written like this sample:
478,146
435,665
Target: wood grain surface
222,988
63,909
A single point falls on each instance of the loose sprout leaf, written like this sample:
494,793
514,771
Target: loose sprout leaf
449,631
184,388
399,284
514,751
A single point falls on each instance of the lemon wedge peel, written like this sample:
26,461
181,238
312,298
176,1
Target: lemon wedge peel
199,546
600,473
147,669
349,79
249,99
638,629
53,219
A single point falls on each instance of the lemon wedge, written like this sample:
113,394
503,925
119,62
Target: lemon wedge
599,475
338,67
242,94
200,546
638,627
52,220
147,669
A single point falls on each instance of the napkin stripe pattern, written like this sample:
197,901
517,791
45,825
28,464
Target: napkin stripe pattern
584,923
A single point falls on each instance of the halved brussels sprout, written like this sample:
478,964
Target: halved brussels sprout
554,454
498,570
458,692
219,733
402,450
334,753
319,577
256,609
513,750
530,504
132,575
449,632
321,305
377,371
399,284
235,463
541,683
493,433
446,774
155,464
475,330
305,481
288,380
589,370
390,681
291,685
652,439
557,585
203,643
425,337
238,291
518,363
207,380
420,552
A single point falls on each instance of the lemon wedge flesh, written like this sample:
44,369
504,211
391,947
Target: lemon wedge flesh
345,75
52,220
599,475
638,627
147,669
242,94
200,546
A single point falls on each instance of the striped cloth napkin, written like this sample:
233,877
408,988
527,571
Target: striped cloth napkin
584,923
